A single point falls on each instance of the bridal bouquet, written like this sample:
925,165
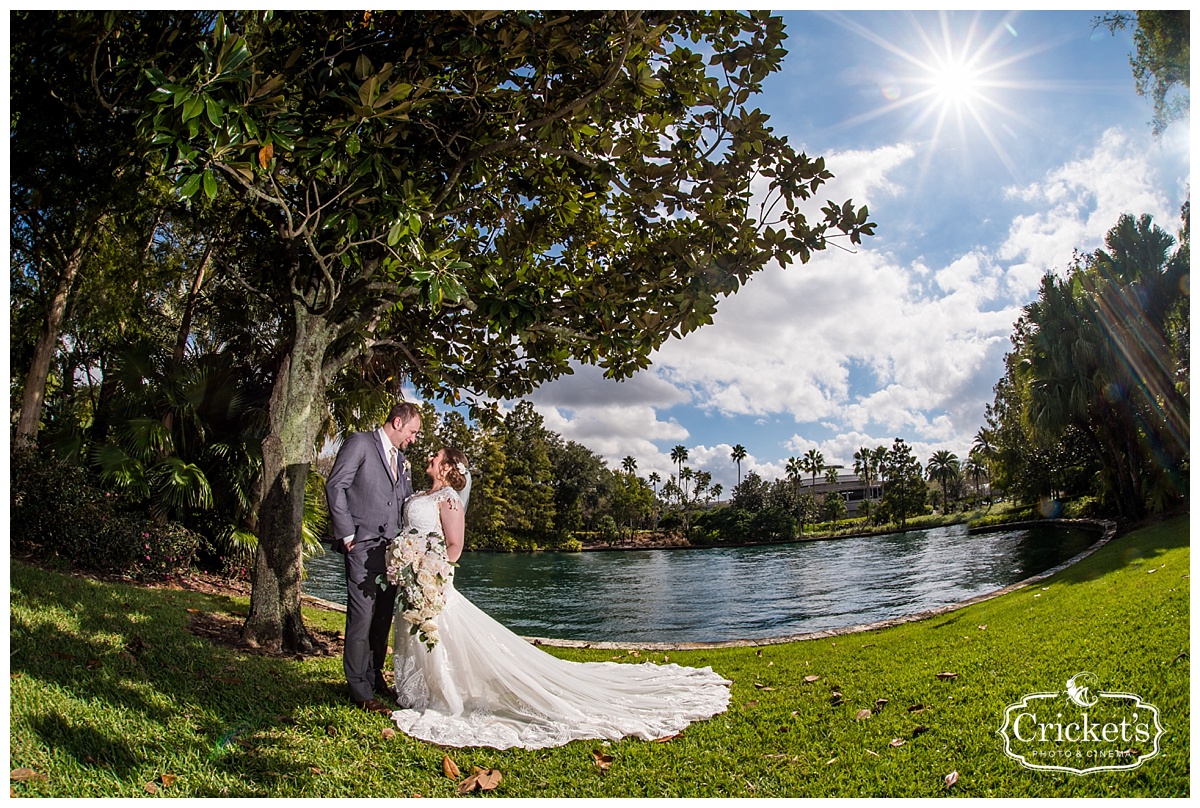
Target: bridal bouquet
418,566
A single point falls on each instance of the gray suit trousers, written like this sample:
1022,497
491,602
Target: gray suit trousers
369,611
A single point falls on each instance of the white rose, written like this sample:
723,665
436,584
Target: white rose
429,627
412,616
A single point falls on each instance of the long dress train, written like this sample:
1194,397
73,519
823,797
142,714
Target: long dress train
482,685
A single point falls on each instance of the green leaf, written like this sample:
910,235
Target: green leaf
187,189
192,108
210,184
214,111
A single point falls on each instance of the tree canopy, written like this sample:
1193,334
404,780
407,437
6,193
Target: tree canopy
470,201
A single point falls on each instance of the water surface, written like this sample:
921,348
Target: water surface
735,593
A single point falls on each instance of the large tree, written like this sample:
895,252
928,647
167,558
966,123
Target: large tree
479,198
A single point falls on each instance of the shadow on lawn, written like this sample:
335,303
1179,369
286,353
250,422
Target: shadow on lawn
131,657
1144,542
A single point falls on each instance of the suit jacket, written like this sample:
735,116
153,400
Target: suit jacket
363,499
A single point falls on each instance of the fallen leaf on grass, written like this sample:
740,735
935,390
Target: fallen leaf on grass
751,703
331,731
193,611
18,675
862,715
602,760
388,733
93,664
666,738
946,675
450,768
150,788
168,780
836,699
831,760
983,627
23,774
811,679
919,729
879,705
635,653
314,769
896,742
763,687
951,779
872,754
917,708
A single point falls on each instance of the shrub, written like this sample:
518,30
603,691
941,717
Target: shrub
572,546
608,528
1083,508
62,509
773,524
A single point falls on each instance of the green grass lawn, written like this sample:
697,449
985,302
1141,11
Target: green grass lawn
110,693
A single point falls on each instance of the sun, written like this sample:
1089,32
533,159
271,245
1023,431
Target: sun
955,83
950,78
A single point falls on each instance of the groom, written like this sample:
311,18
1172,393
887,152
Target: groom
366,490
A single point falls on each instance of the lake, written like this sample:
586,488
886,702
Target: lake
740,593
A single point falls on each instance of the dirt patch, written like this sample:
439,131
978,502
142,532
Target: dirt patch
225,630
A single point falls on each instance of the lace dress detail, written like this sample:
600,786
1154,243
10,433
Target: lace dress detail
482,685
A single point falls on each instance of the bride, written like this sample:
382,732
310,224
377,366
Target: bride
469,681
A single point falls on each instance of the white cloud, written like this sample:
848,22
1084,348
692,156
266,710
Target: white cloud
1077,203
857,349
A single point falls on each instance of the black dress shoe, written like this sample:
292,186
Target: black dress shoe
386,693
373,706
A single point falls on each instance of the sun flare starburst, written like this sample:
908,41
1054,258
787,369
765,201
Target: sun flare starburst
952,81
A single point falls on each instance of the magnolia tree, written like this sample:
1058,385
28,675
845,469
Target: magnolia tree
475,199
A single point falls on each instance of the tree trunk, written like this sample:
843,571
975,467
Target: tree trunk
296,415
34,396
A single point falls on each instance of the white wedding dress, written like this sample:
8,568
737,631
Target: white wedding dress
482,685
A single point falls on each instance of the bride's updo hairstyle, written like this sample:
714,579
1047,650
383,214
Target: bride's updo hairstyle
455,464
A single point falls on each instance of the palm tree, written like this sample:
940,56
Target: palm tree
654,481
717,490
738,455
831,475
862,466
879,458
685,474
679,456
813,462
943,467
975,468
629,464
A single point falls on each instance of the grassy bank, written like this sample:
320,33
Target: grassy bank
111,696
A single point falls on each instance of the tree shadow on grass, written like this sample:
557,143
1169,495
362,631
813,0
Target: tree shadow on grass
1144,544
164,693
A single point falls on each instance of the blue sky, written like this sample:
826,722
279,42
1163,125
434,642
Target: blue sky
989,146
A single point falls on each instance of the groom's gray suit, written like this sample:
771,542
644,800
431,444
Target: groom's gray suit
366,502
